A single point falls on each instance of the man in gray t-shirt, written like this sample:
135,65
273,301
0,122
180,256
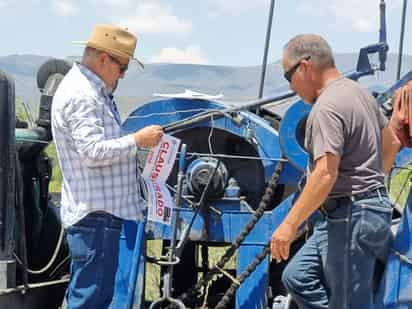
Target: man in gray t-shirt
346,121
351,146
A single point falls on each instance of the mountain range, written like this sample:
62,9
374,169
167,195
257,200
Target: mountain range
235,83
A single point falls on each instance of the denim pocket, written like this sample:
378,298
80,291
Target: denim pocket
81,241
375,232
381,205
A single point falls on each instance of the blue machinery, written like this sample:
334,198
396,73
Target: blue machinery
234,139
234,184
239,135
232,156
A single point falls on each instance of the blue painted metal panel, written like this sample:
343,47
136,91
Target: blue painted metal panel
163,112
225,228
404,157
396,286
251,127
289,139
252,293
129,283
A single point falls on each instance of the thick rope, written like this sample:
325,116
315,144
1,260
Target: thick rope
189,296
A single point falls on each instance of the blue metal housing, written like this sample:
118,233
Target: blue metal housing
255,130
235,211
396,286
287,143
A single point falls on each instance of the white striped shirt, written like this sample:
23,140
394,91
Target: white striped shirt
98,163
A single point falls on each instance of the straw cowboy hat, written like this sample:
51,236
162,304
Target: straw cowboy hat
113,40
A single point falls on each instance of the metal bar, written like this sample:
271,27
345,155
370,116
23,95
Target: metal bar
244,107
185,234
382,30
266,50
178,197
21,222
400,52
168,276
391,91
20,288
223,156
7,181
383,53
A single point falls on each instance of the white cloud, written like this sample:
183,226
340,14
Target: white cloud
4,4
362,16
117,2
192,54
114,4
154,17
65,7
236,7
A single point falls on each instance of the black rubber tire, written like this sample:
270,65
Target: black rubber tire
50,67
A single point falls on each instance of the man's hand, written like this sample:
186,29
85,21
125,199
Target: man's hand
282,238
149,136
401,120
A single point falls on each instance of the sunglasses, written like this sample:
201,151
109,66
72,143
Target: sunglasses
122,67
288,74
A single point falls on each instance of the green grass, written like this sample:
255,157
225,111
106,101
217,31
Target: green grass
56,181
20,110
400,186
152,291
154,248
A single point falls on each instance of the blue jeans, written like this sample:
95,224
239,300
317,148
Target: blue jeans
94,246
335,267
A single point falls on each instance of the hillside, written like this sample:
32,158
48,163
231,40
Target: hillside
235,83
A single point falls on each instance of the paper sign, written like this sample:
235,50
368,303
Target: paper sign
160,203
159,164
160,161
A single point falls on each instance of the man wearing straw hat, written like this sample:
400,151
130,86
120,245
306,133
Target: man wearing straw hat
101,179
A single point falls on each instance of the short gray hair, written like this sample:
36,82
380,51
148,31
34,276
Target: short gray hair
90,53
305,45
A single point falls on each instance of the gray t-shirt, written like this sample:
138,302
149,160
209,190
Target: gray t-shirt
346,121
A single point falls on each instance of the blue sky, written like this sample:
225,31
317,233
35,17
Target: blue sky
216,32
